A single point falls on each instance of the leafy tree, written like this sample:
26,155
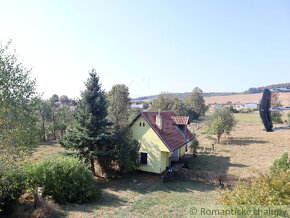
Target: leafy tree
126,148
195,104
53,119
54,98
145,104
276,115
163,102
90,137
166,102
64,99
133,112
118,106
220,122
65,116
45,117
54,125
18,131
179,107
18,105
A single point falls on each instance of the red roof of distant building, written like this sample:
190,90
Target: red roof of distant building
170,133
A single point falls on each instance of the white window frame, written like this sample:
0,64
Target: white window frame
140,157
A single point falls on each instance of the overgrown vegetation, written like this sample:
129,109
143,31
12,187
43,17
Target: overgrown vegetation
66,179
268,189
263,190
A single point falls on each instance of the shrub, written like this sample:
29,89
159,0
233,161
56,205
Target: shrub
277,117
233,110
264,190
194,145
64,178
246,110
11,186
272,189
281,164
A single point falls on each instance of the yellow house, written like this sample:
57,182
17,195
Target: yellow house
163,137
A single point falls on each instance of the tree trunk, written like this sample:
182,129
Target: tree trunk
54,125
218,139
38,201
93,166
43,130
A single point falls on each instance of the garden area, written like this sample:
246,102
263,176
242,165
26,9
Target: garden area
246,153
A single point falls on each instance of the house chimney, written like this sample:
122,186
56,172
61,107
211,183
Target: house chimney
159,120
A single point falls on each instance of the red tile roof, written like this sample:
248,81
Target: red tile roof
170,134
180,120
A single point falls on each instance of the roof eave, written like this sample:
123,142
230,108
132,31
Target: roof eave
184,143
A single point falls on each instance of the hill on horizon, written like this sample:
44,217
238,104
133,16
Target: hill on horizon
220,94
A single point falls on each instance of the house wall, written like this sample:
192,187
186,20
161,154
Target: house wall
182,151
150,142
175,156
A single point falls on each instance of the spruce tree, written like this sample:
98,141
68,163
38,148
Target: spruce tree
90,136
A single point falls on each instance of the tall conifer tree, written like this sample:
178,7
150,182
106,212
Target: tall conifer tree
90,137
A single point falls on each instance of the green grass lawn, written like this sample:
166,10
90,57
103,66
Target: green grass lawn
150,197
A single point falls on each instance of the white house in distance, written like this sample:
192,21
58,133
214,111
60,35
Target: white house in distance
135,105
251,105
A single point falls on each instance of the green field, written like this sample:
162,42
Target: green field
248,117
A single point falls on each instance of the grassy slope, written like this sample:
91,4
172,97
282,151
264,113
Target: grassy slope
248,152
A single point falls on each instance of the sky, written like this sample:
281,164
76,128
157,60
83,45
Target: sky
150,46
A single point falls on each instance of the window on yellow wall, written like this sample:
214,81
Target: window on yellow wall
140,124
144,158
143,124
